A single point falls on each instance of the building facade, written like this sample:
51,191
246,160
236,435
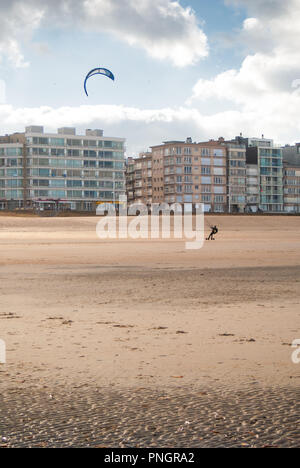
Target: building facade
269,161
187,172
139,179
252,188
236,176
60,170
291,187
242,175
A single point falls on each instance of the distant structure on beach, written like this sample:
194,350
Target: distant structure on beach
242,175
60,171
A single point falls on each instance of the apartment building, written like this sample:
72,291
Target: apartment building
130,182
236,175
139,179
291,178
291,154
188,172
252,188
269,161
291,187
60,170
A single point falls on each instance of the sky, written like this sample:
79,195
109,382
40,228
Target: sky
188,68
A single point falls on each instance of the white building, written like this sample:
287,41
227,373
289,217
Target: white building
60,169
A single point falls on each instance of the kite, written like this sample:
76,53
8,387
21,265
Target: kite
98,71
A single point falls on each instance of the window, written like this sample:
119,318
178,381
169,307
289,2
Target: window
218,180
14,151
58,152
43,162
206,180
188,160
14,172
89,154
12,162
90,194
74,142
58,162
57,193
57,183
40,141
87,143
91,183
14,183
44,172
58,141
218,171
72,152
12,194
74,183
74,194
187,169
118,145
205,170
106,195
219,189
90,163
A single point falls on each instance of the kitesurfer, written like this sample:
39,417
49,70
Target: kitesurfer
214,231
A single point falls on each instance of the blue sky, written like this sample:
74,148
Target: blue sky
56,73
187,68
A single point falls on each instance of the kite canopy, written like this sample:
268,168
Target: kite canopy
98,71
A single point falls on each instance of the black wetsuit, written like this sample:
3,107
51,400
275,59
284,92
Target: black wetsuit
214,230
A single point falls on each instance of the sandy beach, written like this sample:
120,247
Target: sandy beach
144,343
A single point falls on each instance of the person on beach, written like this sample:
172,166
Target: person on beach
214,231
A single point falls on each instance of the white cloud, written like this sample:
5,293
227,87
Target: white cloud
272,23
264,8
145,127
18,19
262,96
252,23
2,92
163,28
262,89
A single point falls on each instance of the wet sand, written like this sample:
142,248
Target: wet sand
97,331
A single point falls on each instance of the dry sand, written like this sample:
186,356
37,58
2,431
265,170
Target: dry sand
122,315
